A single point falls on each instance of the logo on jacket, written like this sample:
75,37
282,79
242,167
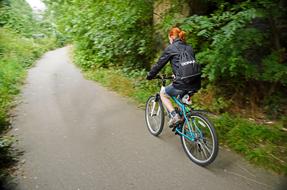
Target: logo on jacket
187,63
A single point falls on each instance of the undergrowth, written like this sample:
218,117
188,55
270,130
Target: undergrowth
261,144
17,54
125,83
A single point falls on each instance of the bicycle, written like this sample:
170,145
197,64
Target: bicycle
198,136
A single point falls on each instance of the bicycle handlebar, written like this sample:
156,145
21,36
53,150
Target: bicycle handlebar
163,77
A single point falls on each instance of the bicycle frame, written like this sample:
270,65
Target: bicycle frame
184,109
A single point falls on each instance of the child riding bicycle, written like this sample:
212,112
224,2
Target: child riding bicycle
184,67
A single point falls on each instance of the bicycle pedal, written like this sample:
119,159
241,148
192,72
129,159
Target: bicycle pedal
173,129
176,127
171,126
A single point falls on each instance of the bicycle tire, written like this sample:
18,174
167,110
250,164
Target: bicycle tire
198,144
148,116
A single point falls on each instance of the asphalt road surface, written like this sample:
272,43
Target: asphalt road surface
77,135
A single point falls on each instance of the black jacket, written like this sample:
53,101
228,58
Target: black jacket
171,53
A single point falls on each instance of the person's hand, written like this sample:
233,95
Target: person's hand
148,77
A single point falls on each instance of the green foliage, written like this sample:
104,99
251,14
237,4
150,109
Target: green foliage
17,54
12,17
226,41
17,48
107,33
11,73
18,16
241,45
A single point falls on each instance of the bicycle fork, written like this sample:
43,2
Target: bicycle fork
157,99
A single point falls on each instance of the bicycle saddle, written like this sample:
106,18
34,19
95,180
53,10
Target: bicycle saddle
190,93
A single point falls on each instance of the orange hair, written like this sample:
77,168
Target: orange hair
177,33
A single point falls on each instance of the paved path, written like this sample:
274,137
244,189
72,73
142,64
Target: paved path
79,136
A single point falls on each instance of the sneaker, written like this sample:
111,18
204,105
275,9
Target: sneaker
174,120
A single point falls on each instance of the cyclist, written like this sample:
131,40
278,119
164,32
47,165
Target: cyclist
178,86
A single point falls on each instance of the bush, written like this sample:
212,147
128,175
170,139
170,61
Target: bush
242,48
106,34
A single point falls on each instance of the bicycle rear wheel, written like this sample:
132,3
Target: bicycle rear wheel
154,115
200,140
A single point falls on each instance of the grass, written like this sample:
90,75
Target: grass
133,87
263,145
17,54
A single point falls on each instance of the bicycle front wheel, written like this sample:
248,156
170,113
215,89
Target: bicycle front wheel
199,140
154,115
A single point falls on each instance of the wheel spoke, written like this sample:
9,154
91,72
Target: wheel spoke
206,147
154,116
203,150
155,121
